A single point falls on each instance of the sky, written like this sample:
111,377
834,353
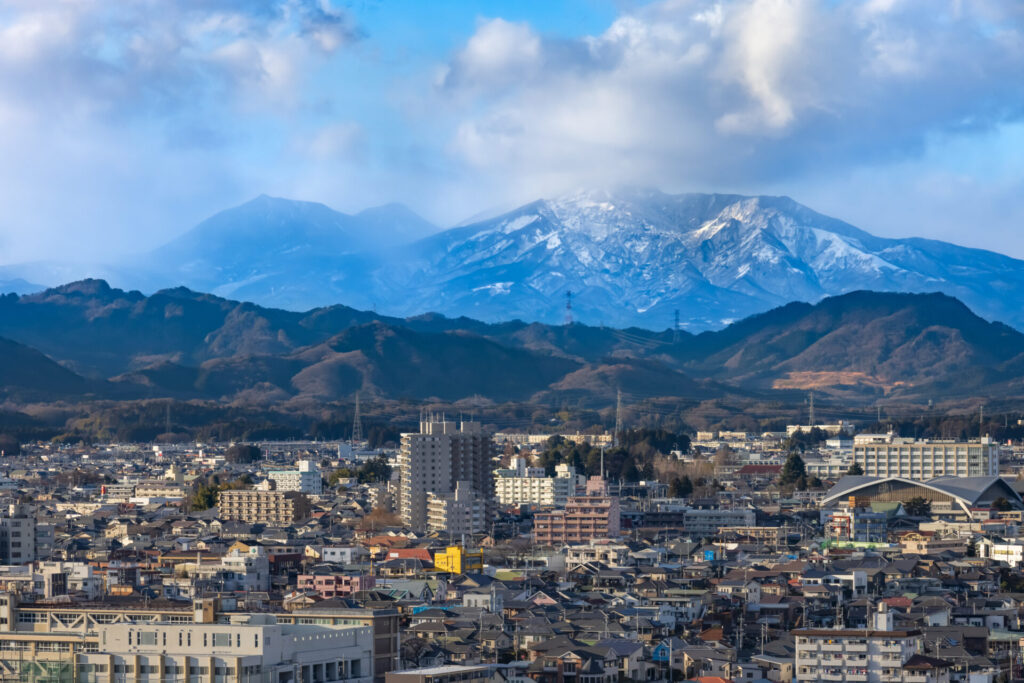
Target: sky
125,122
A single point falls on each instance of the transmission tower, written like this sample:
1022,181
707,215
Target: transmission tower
618,418
811,410
357,423
675,329
568,307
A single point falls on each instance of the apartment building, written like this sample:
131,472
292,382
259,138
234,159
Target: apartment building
252,648
885,455
18,535
330,584
435,460
594,515
522,485
274,508
459,513
305,478
880,654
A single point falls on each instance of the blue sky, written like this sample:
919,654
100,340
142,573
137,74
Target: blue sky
123,123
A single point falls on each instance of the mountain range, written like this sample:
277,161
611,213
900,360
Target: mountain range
624,258
90,340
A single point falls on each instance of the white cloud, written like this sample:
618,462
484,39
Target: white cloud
698,92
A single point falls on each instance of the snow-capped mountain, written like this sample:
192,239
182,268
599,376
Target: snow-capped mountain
634,258
628,258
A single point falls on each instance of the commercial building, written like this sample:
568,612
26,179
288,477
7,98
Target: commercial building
890,456
522,485
305,479
456,560
595,515
435,460
274,508
879,654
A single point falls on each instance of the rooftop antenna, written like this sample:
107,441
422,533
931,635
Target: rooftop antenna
357,423
568,307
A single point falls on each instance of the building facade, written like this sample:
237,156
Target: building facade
522,485
274,508
304,479
595,515
890,456
435,460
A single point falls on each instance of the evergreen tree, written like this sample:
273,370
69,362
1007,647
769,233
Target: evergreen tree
855,470
793,471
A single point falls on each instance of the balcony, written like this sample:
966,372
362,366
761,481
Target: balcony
833,647
856,647
807,661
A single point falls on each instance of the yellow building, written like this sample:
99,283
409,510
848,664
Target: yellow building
455,560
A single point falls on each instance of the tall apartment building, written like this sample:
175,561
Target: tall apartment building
885,455
305,478
520,485
274,508
437,458
594,515
880,654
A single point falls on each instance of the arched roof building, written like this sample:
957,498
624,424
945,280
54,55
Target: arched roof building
963,492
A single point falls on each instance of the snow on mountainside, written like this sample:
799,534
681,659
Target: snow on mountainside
634,258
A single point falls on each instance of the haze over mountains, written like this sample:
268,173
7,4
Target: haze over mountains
101,342
632,257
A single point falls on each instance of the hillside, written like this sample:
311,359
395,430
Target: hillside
178,343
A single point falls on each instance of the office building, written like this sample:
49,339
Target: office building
274,508
436,460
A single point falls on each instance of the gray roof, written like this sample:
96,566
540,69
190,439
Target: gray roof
967,490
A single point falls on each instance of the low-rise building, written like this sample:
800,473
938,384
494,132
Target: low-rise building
274,508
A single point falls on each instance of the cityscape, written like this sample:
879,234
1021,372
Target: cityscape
491,341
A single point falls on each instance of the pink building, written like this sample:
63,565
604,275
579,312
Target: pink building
331,585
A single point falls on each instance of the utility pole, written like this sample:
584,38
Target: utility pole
811,411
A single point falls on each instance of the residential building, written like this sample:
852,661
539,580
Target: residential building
522,485
879,654
18,535
335,584
460,513
274,508
438,457
595,515
305,478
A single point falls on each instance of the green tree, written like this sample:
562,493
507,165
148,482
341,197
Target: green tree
855,470
793,471
972,548
918,507
1002,504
